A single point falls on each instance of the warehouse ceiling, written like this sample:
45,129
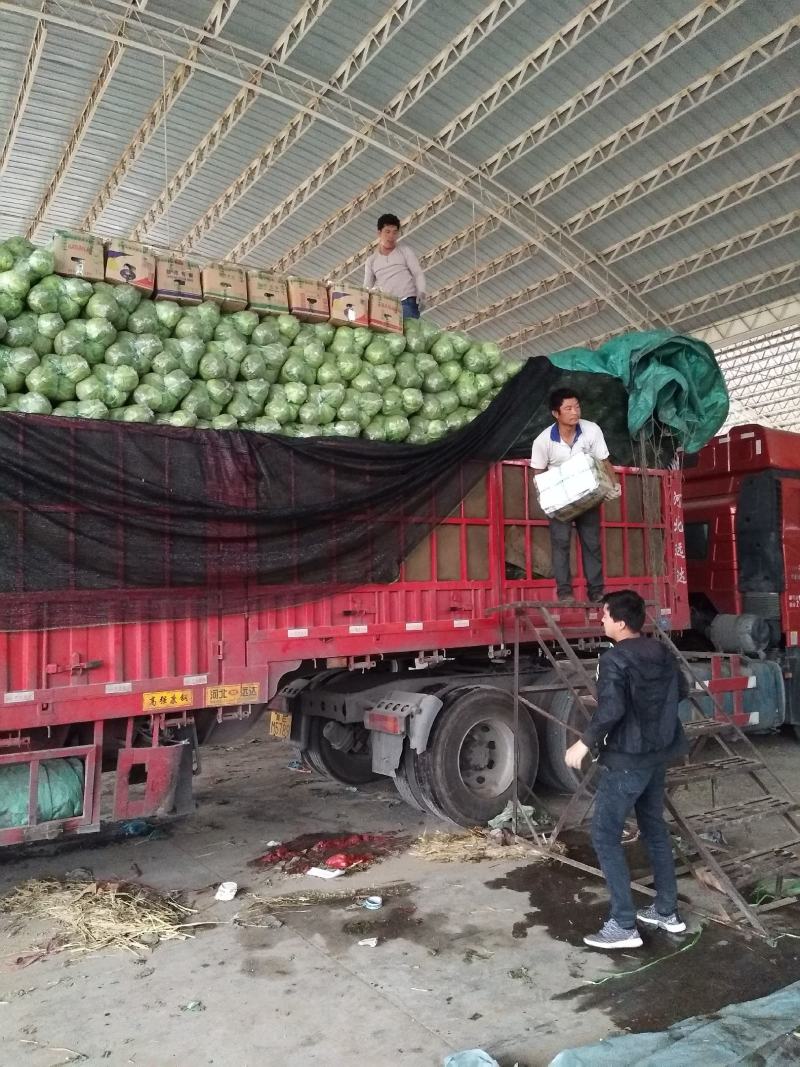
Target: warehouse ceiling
565,171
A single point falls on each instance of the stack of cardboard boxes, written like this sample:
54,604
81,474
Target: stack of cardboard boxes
172,277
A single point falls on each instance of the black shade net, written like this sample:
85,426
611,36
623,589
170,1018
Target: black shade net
112,522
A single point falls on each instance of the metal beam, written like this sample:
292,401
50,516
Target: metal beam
718,253
484,272
720,298
231,116
769,178
212,27
23,93
378,37
695,23
453,52
75,139
762,121
626,72
553,324
595,14
749,324
722,251
749,60
767,119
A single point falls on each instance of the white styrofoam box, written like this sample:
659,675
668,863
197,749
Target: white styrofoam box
575,486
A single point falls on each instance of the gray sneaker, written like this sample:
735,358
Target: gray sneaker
614,936
673,923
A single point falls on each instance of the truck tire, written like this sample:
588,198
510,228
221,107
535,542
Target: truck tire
553,771
347,767
405,780
467,771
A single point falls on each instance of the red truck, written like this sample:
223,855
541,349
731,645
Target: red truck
410,679
742,530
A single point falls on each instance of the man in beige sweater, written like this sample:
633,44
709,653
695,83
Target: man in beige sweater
393,268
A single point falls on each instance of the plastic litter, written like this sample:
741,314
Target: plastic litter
135,827
368,942
226,891
471,1057
372,903
506,816
193,1006
323,872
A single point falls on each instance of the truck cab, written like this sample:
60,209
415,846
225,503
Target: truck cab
742,530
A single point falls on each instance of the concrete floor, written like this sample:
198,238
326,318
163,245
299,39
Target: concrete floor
485,955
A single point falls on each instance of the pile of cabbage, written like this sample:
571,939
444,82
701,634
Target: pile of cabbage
96,351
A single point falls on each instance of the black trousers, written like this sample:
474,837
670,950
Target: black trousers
588,526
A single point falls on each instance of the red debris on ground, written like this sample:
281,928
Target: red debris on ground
327,850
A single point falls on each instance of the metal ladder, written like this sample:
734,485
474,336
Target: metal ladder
726,872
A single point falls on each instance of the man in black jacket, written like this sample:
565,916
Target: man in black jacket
636,731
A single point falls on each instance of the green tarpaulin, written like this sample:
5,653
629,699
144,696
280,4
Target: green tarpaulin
673,382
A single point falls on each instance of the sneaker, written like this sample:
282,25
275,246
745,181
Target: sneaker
614,936
673,923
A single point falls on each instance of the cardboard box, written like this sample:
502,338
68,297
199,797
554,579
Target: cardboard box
178,279
267,293
308,299
78,255
128,263
575,486
349,305
226,285
385,313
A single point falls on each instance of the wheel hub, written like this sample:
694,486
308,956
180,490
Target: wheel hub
486,758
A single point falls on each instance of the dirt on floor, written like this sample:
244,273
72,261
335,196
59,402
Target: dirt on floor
468,955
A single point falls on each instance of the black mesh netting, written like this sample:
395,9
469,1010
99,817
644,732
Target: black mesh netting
115,522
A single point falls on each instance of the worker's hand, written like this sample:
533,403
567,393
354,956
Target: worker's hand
614,493
575,754
421,303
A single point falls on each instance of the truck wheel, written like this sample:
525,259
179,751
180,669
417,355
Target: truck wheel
553,771
405,780
468,768
350,766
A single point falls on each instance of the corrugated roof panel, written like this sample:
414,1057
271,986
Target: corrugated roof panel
693,185
415,45
258,26
220,168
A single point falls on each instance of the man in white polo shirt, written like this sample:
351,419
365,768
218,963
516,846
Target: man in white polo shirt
569,435
394,268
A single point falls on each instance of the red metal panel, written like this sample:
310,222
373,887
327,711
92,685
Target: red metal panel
95,673
161,766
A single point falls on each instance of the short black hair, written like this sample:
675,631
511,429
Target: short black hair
628,607
388,220
558,396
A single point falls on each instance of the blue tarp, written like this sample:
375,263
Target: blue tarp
759,1032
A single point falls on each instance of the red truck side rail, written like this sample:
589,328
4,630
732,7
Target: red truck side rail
118,686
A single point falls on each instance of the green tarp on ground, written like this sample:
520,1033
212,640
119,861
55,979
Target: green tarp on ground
673,381
760,1033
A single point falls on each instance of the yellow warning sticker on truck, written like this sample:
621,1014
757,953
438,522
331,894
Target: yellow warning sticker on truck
167,700
220,695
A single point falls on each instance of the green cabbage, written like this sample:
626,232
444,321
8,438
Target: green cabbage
220,391
168,314
43,299
32,403
21,331
224,422
246,322
15,364
92,409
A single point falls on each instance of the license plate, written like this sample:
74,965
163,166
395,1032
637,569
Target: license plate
280,725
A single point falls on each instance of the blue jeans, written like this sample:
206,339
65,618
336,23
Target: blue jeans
619,792
410,308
